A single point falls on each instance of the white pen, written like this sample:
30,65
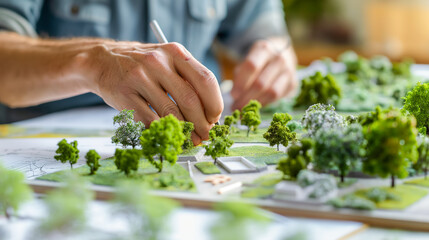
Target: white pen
156,29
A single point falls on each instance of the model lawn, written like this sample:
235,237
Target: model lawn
306,151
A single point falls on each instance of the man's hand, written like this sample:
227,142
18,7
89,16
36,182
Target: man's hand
267,73
134,76
128,75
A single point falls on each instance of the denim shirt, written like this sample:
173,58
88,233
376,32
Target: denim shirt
194,23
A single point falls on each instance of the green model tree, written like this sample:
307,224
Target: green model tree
253,105
67,152
402,68
219,142
127,160
298,157
92,160
320,116
243,221
13,191
357,68
66,208
278,133
391,146
128,132
338,149
146,214
422,163
164,139
229,121
188,127
318,89
416,104
236,114
251,120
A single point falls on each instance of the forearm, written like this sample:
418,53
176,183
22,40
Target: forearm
35,71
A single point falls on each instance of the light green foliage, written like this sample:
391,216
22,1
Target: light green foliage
366,119
380,195
298,157
238,221
67,207
391,145
422,163
350,119
278,133
229,121
251,120
92,158
127,160
320,116
318,89
294,126
13,191
67,152
128,133
146,214
402,68
252,106
338,149
219,142
188,127
207,167
358,68
236,115
322,184
164,139
354,202
417,104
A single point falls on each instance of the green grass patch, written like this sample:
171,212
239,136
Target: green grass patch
172,178
207,167
240,136
257,192
419,182
268,180
405,194
263,186
258,154
191,152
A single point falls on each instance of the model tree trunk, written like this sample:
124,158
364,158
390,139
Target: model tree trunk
215,161
248,131
161,159
393,181
278,149
6,213
342,178
426,172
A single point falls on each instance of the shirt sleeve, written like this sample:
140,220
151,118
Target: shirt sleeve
250,20
20,16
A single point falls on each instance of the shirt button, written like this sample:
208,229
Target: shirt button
211,12
74,9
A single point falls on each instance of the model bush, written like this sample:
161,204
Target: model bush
298,157
320,116
357,68
422,163
163,139
294,126
188,127
67,152
128,131
417,104
338,149
318,89
13,191
127,160
391,146
92,160
219,142
278,133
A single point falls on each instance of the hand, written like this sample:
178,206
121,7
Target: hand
135,75
267,73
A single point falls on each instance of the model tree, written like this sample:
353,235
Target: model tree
67,152
320,116
253,105
13,191
128,132
278,133
127,160
318,89
164,139
422,163
188,127
339,149
358,68
219,142
92,158
236,114
416,104
298,157
251,120
391,146
229,121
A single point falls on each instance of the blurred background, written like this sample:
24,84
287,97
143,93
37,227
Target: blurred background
397,29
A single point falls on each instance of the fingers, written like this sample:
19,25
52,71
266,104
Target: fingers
278,89
143,112
251,67
202,80
262,84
